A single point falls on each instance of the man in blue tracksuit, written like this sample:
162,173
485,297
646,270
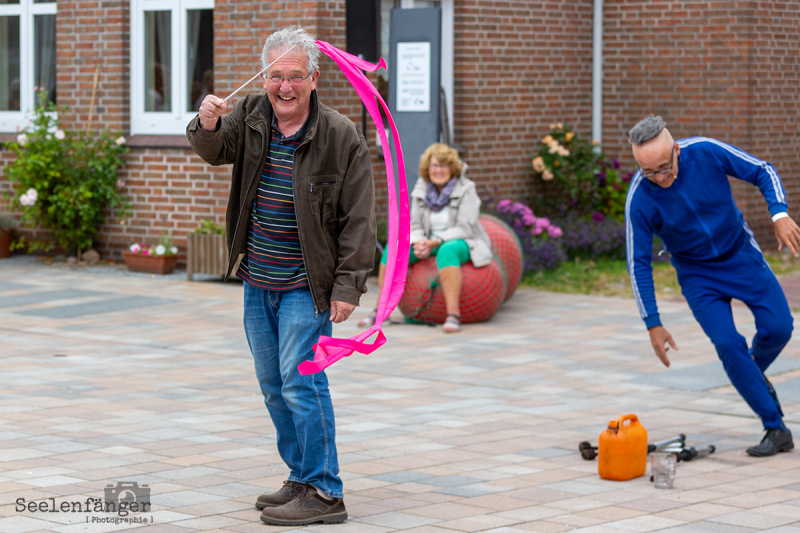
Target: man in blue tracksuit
681,194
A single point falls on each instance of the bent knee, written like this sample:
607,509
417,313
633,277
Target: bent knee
778,334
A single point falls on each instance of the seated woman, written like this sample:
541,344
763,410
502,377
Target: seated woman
444,223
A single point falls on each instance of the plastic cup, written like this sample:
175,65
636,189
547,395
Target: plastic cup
662,466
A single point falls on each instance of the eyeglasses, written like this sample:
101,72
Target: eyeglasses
667,170
294,80
438,166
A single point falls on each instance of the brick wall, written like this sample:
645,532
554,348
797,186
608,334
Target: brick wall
90,35
728,70
519,66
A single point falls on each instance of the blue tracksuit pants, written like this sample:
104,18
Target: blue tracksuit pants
746,276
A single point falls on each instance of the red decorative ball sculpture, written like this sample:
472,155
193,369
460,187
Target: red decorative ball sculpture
507,249
483,290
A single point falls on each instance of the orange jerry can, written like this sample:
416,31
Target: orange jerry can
622,453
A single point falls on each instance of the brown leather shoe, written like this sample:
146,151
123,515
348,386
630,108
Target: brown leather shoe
286,494
307,508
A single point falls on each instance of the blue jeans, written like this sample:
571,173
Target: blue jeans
281,328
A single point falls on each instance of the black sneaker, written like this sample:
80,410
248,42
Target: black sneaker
774,441
308,507
286,494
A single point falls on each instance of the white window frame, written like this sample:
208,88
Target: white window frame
11,121
161,123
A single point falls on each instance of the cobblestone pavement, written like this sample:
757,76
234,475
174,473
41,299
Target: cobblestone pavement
107,378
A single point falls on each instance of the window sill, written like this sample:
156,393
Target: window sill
159,141
139,141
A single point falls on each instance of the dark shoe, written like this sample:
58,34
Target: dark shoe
775,440
286,494
307,508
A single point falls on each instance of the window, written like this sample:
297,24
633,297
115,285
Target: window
27,58
172,63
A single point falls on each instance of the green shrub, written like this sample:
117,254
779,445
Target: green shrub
209,227
64,181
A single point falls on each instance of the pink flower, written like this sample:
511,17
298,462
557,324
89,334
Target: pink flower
536,230
554,231
503,204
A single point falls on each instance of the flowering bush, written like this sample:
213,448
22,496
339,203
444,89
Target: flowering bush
164,247
540,238
599,237
578,176
64,181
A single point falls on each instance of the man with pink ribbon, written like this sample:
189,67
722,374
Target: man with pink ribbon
301,231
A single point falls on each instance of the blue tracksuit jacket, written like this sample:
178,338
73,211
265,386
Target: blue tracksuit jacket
696,217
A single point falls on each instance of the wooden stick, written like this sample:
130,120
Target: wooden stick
94,91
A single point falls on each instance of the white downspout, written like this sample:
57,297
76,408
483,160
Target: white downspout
597,71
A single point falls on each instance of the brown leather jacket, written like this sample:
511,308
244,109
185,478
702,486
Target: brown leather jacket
333,192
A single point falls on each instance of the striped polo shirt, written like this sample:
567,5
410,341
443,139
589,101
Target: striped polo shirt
274,260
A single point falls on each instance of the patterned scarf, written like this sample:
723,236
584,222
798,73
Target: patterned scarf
436,201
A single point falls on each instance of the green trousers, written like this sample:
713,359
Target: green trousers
449,253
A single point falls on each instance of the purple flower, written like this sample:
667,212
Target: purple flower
615,163
502,205
598,216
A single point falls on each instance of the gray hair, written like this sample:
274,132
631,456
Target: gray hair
287,38
647,129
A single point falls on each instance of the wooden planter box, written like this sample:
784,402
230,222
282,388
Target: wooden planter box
206,254
6,236
154,264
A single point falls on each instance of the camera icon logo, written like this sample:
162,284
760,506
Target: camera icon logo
127,493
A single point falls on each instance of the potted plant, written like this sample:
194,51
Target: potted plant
158,259
7,225
207,250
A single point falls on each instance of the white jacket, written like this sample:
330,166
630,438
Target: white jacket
465,208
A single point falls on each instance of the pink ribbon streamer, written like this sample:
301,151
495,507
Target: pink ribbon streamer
328,350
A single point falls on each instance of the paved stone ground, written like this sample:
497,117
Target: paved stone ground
106,377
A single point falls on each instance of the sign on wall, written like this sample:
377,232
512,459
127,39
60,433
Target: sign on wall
414,77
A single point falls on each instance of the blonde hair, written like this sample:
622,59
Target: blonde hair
444,155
